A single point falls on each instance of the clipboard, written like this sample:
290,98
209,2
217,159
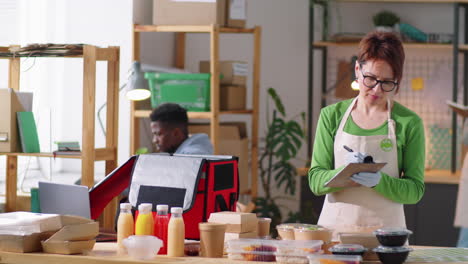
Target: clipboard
342,178
460,109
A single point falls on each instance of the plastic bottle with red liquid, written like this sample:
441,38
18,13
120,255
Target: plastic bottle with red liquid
161,222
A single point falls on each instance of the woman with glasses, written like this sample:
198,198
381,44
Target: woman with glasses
372,124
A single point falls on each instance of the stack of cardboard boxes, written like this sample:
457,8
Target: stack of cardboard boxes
239,225
31,232
233,91
229,13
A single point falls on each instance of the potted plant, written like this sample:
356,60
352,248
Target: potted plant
282,141
385,21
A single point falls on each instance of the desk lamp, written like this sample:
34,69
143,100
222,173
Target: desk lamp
137,89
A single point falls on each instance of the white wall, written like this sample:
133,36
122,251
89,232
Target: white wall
57,83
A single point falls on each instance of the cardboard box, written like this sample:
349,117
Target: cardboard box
236,13
76,232
231,236
236,222
232,97
23,243
182,12
233,72
68,247
72,239
9,105
234,142
23,231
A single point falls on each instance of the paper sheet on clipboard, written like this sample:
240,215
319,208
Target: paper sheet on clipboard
342,179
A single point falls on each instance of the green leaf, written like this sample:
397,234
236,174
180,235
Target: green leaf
277,100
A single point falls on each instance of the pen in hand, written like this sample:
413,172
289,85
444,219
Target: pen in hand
366,159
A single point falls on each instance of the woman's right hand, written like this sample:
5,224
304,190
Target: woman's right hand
355,157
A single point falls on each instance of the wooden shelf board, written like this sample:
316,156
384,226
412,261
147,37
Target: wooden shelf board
42,56
463,47
441,176
41,155
188,29
320,44
101,154
197,115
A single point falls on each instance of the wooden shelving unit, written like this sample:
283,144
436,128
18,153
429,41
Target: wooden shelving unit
139,110
456,47
326,44
89,154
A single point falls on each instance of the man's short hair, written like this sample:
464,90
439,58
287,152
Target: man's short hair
171,114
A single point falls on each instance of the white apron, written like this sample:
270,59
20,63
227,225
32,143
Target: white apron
362,209
461,213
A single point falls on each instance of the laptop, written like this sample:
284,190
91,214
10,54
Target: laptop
65,199
68,199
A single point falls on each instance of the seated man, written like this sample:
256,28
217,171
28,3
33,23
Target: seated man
169,125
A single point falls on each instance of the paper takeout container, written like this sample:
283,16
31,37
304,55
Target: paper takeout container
236,222
72,239
23,232
68,247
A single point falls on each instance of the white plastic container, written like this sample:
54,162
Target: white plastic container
142,247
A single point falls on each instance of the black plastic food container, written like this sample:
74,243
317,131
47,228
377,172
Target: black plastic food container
392,255
392,237
348,249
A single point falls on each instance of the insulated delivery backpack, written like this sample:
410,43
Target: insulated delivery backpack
199,184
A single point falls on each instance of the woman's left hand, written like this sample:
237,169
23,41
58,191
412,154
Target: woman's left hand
368,179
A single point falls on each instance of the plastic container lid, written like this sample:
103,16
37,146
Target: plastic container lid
298,247
306,228
348,248
145,208
384,249
292,226
125,206
160,207
342,258
392,231
176,210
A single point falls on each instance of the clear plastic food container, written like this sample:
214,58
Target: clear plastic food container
251,249
264,256
335,259
392,237
286,231
348,249
251,244
291,259
267,250
298,247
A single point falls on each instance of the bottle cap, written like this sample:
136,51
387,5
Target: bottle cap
176,210
145,208
160,207
125,206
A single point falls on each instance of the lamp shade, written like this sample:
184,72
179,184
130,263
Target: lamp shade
137,84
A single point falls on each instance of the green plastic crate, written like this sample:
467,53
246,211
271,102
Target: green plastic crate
190,90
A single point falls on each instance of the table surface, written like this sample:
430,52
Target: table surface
106,253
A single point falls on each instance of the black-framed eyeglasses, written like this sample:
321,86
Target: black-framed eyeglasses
371,82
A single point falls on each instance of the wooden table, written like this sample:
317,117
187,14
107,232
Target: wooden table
106,253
